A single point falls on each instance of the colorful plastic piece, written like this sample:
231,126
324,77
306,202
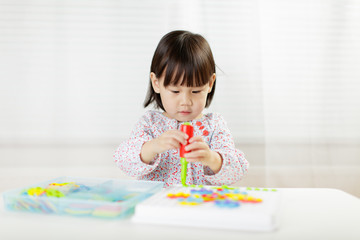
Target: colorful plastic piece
54,193
36,191
201,191
191,201
227,204
224,197
189,130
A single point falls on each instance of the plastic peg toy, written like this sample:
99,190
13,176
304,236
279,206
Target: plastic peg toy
189,130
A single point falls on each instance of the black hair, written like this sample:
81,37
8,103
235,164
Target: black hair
182,55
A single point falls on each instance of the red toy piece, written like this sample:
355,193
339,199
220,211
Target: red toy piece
189,130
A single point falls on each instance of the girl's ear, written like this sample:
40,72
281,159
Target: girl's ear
211,82
155,82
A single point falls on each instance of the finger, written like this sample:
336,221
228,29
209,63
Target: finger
173,138
196,139
196,146
180,136
196,154
176,132
180,133
170,143
174,143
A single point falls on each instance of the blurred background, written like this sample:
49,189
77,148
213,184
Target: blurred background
74,75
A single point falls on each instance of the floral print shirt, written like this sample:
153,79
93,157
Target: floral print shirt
166,166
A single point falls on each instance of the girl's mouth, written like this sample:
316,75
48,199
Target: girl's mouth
185,112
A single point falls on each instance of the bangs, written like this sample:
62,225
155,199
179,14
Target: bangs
185,74
188,63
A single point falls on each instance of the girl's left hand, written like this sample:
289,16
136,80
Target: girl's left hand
200,152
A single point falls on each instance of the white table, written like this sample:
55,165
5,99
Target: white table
307,213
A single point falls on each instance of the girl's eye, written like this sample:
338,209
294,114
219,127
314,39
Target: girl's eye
196,91
175,91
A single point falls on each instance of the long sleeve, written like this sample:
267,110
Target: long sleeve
127,156
234,165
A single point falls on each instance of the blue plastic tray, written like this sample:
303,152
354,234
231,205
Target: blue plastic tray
94,197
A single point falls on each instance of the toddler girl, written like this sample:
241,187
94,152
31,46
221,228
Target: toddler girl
182,84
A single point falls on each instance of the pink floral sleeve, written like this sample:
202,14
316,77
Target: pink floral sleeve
234,164
127,156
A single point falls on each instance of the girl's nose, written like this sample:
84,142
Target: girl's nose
186,99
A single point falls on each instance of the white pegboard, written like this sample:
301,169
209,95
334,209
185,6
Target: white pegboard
260,216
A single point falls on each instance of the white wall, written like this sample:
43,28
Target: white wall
74,74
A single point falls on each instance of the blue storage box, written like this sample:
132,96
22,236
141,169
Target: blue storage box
95,197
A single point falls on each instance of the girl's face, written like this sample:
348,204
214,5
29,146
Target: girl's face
180,102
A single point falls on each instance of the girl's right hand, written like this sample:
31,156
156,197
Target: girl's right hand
166,141
169,140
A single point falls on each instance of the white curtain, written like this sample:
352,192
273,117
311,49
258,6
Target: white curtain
310,52
76,72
